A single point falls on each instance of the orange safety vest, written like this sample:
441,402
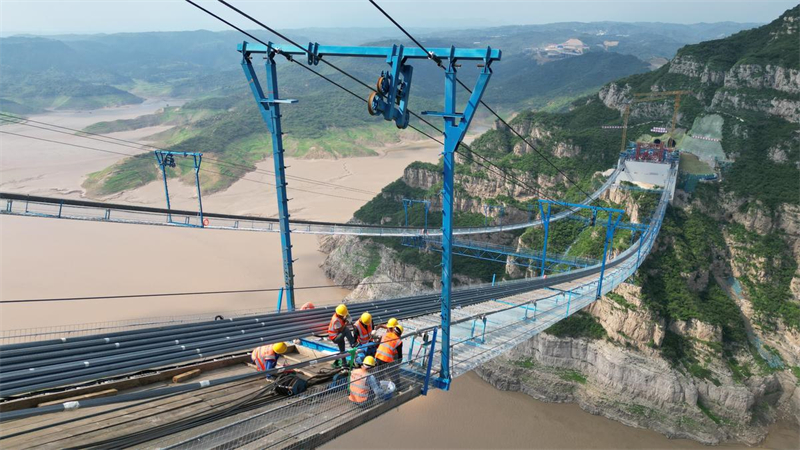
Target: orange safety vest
387,351
336,325
306,306
364,332
359,389
261,355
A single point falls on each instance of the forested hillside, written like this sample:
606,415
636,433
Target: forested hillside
716,305
89,72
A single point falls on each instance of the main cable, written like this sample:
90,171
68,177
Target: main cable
142,146
288,57
202,168
481,101
178,294
328,63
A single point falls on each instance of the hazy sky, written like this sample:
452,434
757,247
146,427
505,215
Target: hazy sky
109,16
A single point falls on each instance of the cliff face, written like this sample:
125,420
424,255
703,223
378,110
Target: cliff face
374,271
637,389
703,342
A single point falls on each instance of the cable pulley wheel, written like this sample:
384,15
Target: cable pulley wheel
372,105
380,83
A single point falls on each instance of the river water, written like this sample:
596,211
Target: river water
475,415
58,258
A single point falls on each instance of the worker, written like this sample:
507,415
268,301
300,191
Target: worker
391,348
307,305
390,324
338,331
362,329
363,385
266,356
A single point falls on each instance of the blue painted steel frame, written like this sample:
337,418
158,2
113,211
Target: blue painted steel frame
455,127
316,51
269,106
546,224
614,216
164,159
497,253
409,202
612,224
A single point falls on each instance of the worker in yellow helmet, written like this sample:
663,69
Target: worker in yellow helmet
363,385
391,348
338,331
362,331
266,356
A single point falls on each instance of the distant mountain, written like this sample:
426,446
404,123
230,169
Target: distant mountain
191,63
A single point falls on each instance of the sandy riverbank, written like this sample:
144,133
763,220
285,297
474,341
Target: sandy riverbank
44,258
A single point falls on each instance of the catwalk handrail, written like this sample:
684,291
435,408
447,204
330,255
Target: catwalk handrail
240,222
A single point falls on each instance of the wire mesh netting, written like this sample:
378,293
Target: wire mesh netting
304,419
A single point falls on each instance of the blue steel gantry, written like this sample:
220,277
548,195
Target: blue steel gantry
391,101
487,211
166,159
409,202
614,216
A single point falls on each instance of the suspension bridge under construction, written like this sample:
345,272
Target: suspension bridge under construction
107,385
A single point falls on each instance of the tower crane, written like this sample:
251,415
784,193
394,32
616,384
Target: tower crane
649,97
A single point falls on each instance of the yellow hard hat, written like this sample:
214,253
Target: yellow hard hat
391,323
399,328
341,310
279,348
366,318
369,361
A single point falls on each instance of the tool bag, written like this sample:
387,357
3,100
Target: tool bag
291,384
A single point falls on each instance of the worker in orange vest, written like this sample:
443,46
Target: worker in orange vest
338,331
307,305
266,356
363,385
391,348
362,329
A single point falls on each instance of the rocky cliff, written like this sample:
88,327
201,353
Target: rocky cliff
703,342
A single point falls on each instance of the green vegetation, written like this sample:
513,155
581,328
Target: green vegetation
691,164
52,89
373,261
796,372
771,297
526,363
132,173
693,237
753,176
620,300
708,412
770,44
578,325
572,375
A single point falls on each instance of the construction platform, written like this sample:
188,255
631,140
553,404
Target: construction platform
302,422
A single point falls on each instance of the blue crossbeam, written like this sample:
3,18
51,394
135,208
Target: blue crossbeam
378,52
622,225
499,253
582,206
